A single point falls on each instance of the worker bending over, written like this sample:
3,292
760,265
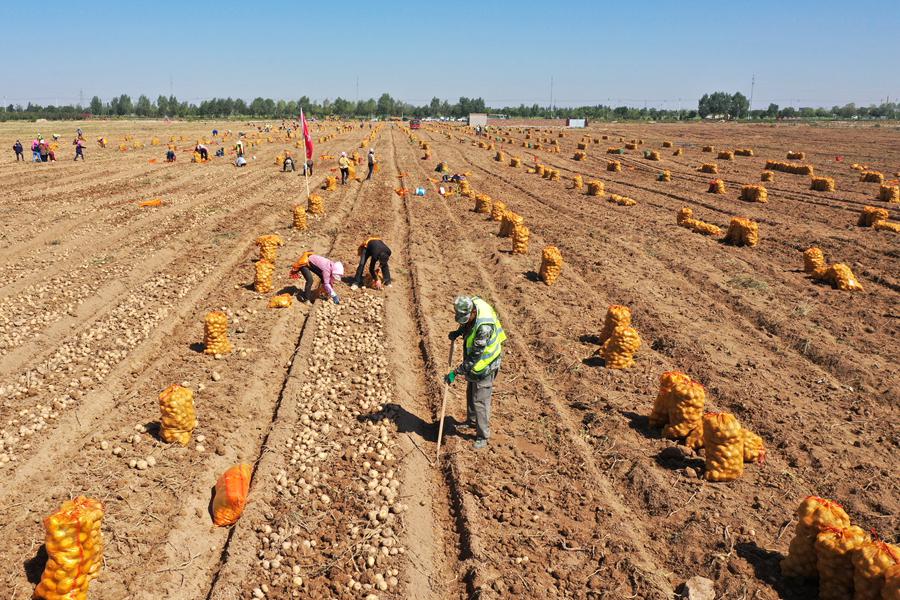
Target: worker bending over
483,337
344,164
329,273
377,251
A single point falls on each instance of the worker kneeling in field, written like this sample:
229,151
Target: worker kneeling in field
377,251
170,155
482,350
287,165
329,273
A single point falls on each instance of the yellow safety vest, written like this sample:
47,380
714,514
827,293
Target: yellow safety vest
486,315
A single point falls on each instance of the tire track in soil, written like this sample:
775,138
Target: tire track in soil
587,494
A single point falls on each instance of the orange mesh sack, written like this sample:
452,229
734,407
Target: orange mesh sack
177,416
813,515
871,562
264,272
74,550
767,176
814,261
578,182
822,184
887,226
616,316
754,447
595,187
891,589
497,210
618,351
663,403
551,265
889,193
716,186
520,237
216,333
299,221
686,403
482,204
842,278
724,444
280,301
330,183
315,205
871,215
268,247
742,232
834,548
230,499
754,193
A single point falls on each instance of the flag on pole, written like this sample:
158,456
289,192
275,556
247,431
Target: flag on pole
307,139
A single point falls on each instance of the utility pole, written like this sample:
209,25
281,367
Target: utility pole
752,86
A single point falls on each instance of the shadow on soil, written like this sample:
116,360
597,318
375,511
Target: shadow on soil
34,567
409,423
766,566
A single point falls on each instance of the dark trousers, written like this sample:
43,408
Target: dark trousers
382,260
345,173
79,152
307,273
20,156
204,154
371,168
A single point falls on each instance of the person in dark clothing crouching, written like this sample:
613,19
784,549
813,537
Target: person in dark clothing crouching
376,250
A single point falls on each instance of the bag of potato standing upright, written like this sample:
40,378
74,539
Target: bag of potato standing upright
232,489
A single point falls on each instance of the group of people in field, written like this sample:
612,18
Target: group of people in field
44,151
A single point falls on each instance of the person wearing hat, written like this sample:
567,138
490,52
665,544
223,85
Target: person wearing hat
483,337
344,164
371,163
18,149
329,273
376,250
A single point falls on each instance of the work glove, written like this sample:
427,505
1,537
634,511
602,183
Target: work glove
454,334
450,378
335,298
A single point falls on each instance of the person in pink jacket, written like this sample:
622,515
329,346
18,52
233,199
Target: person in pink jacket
328,271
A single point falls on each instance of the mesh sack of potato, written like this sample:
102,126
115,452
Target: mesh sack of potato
631,146
834,548
500,156
777,165
621,200
889,193
578,182
612,150
618,351
579,155
871,562
614,165
725,155
822,184
662,405
268,247
616,316
280,301
678,152
442,167
709,148
685,214
74,550
871,177
215,335
315,205
709,168
520,237
724,445
813,515
743,152
814,261
687,399
796,155
465,189
767,176
595,187
279,159
891,589
871,215
483,204
716,186
498,209
515,162
177,416
887,226
665,175
299,220
231,493
666,144
330,183
540,170
509,222
841,277
742,232
553,174
263,281
551,265
754,193
581,146
651,154
754,447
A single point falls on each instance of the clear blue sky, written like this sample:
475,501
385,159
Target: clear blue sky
811,53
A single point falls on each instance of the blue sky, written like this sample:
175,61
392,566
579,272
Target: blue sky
663,53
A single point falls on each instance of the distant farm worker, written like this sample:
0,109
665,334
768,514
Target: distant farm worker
308,167
371,163
170,155
240,162
19,150
288,164
35,150
378,252
344,164
329,273
239,147
44,150
483,337
79,147
202,151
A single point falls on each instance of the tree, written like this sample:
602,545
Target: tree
162,106
143,108
125,106
257,107
772,111
385,105
739,106
96,105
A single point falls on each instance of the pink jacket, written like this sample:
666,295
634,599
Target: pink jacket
327,267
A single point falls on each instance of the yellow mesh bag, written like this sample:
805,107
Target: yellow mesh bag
887,226
618,351
482,204
330,183
814,261
796,155
616,316
614,166
871,562
725,155
666,144
510,221
74,550
579,155
767,176
551,265
686,219
889,193
515,162
595,187
686,403
724,444
665,175
754,447
754,193
315,205
520,237
268,247
891,589
662,405
177,416
742,232
280,301
498,208
709,148
834,548
841,277
216,333
716,186
871,215
500,156
743,151
678,152
264,271
709,168
299,220
621,200
813,515
822,184
578,182
871,177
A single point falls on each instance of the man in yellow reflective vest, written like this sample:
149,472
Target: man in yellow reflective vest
483,337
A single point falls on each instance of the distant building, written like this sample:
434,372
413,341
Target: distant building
578,123
476,119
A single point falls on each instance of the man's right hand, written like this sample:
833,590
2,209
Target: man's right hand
453,335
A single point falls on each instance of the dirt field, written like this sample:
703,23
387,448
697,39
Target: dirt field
102,305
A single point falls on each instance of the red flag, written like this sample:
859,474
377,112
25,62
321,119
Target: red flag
307,139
